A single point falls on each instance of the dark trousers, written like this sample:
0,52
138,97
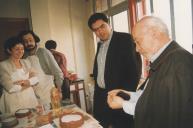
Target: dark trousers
107,116
122,119
66,89
101,110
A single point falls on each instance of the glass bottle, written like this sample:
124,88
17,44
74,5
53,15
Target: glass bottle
55,101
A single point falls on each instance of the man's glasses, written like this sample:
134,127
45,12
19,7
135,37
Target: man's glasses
102,26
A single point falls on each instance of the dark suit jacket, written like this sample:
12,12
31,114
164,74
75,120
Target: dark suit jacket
123,64
167,101
122,69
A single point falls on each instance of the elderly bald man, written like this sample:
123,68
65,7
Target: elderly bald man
165,100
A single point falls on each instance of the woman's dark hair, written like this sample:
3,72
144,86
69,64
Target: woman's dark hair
25,32
10,43
97,16
50,44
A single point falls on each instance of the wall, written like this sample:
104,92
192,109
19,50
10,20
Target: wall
61,30
14,8
40,19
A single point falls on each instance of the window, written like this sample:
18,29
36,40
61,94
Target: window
177,14
116,10
121,25
183,23
162,10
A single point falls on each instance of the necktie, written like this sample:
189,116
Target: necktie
144,83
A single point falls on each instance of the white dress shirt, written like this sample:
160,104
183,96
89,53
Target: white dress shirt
101,61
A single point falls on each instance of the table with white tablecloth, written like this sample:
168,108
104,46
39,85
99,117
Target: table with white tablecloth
89,121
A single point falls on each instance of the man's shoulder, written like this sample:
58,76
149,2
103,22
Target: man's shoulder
122,34
32,58
43,51
121,38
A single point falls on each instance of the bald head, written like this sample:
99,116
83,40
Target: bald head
151,22
150,34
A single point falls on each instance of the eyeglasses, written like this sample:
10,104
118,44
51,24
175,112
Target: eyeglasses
102,26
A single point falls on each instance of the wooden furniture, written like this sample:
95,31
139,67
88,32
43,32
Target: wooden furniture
77,93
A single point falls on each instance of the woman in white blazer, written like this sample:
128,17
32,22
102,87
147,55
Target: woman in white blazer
17,78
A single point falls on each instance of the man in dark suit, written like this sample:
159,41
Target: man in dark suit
117,65
167,98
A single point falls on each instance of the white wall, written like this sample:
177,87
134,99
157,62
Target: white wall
40,19
61,31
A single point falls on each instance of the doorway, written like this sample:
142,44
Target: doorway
10,27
